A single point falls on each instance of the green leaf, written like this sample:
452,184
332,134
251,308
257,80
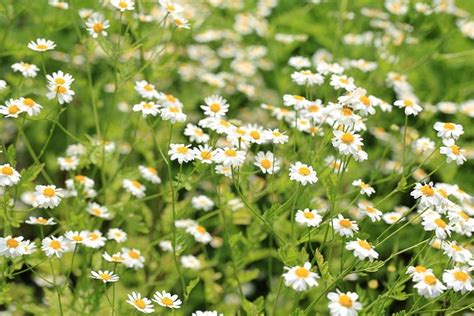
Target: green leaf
289,254
191,285
30,174
371,266
323,266
10,155
254,308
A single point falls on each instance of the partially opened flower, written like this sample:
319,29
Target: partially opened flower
167,300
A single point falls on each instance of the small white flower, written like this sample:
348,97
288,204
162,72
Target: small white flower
343,304
8,176
123,5
47,196
142,304
216,106
202,202
364,187
190,262
453,152
303,173
308,217
199,233
344,226
362,249
134,187
300,278
41,45
410,106
117,235
104,276
132,258
267,162
458,279
147,108
55,246
181,152
429,286
448,130
166,299
150,174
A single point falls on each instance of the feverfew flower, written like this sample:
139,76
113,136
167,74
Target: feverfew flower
40,221
104,276
123,5
429,286
347,142
344,226
181,152
97,25
132,258
134,187
166,299
364,187
458,279
199,233
410,106
41,45
55,246
343,304
308,217
300,278
147,108
117,235
141,304
448,130
12,247
453,152
267,162
216,106
8,176
362,249
150,174
47,196
302,173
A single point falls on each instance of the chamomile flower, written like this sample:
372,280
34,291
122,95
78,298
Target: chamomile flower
150,174
418,272
123,5
32,220
448,130
296,101
97,25
343,304
370,211
41,45
95,240
132,258
216,106
62,93
276,137
410,106
229,156
117,234
115,258
12,108
427,194
147,108
196,134
98,210
364,187
429,286
171,6
166,299
453,152
199,233
190,262
392,217
76,237
142,304
299,62
267,162
30,106
27,70
68,163
309,218
134,187
458,279
55,246
146,89
300,278
307,78
303,173
180,22
47,196
347,142
104,276
342,82
202,202
362,249
457,252
172,113
344,227
8,176
182,153
205,154
12,247
434,222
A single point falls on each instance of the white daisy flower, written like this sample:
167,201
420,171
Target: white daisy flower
134,187
26,70
32,220
202,202
216,106
132,258
344,227
12,108
166,299
229,156
410,106
347,142
181,152
147,108
205,154
55,246
104,276
302,173
47,196
123,5
448,130
308,217
364,187
429,286
97,25
41,45
150,174
453,152
30,106
418,272
95,240
76,237
296,101
199,233
135,299
8,176
196,134
458,279
267,162
343,304
362,249
300,278
190,262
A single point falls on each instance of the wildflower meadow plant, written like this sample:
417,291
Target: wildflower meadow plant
231,157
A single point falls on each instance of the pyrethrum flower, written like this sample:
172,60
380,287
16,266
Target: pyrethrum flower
347,142
166,299
303,173
364,187
434,222
410,106
12,108
344,226
229,156
300,278
216,106
47,196
40,221
453,152
343,304
150,174
12,247
55,246
181,152
97,25
308,217
448,130
142,304
104,276
30,106
41,45
267,162
117,235
146,89
458,279
8,176
123,5
27,70
134,187
429,286
362,249
132,258
427,194
147,108
199,233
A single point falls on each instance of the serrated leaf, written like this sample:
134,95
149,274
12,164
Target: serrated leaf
30,174
323,266
191,285
254,308
10,155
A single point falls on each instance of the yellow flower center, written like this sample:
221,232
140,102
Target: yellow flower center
55,245
347,138
440,223
449,126
313,108
48,192
464,215
308,215
200,229
123,4
170,98
265,163
12,243
408,103
148,87
80,178
13,109
427,190
133,254
365,100
230,153
61,89
77,238
147,105
29,102
167,301
105,276
140,303
93,236
302,272
456,247
183,150
304,171
136,184
59,81
345,300
298,97
152,170
255,134
345,223
364,244
98,27
41,220
215,107
420,269
8,171
41,46
455,149
430,280
461,276
206,155
346,111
